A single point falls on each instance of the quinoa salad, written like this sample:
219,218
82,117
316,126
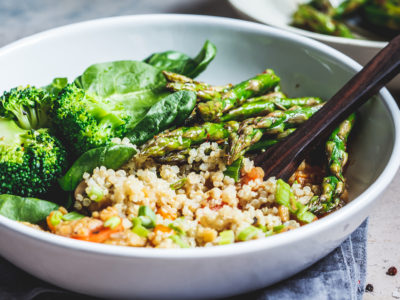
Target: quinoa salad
159,160
186,208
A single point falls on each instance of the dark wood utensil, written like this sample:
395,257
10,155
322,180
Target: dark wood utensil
283,159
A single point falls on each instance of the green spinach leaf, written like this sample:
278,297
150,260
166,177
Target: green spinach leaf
25,209
56,85
233,170
112,157
169,111
134,85
181,63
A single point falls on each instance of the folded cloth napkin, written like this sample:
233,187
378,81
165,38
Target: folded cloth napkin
340,275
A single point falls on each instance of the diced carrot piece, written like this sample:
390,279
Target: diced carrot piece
217,207
166,215
48,218
99,235
162,228
255,173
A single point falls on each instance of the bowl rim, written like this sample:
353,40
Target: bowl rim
363,200
243,8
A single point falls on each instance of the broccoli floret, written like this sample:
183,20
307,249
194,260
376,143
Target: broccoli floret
84,121
28,106
30,160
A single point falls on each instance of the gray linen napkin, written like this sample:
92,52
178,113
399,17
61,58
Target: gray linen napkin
338,276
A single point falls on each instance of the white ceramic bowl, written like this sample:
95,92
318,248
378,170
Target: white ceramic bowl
306,67
279,14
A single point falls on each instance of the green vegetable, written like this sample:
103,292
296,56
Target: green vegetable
266,105
269,233
175,157
72,216
23,209
56,217
333,185
138,228
112,157
248,110
226,237
233,170
275,123
204,91
181,63
177,226
324,6
384,14
28,106
147,216
169,111
329,199
55,87
248,233
95,193
31,158
263,144
112,222
30,161
178,240
336,147
312,19
304,215
108,100
285,197
282,193
178,184
184,137
258,85
348,7
277,229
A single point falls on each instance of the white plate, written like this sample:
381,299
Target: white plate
278,13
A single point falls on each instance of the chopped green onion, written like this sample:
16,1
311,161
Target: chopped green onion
303,215
278,228
112,222
55,218
306,216
302,208
226,237
95,193
282,194
269,233
177,240
138,228
177,229
178,184
177,226
263,228
72,216
147,216
248,233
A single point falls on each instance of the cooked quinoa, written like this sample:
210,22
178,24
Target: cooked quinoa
195,205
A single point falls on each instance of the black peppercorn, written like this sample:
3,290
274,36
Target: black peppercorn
369,288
